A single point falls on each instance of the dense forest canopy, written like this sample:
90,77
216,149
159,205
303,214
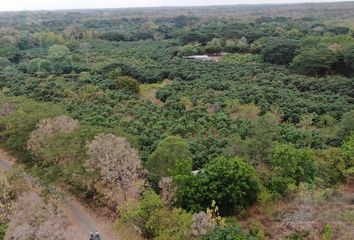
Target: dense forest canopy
96,98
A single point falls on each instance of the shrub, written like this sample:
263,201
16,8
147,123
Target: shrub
346,125
327,232
171,157
152,219
232,183
241,58
348,150
190,49
297,165
331,166
298,235
230,232
128,84
170,224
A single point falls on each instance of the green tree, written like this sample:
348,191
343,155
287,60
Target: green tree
189,49
10,52
232,183
214,46
171,157
61,59
297,165
314,61
279,50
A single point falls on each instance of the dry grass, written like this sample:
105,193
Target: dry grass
309,210
148,91
128,233
248,111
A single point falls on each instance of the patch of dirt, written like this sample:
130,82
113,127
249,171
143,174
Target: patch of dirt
309,212
148,91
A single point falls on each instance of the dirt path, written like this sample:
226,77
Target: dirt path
76,212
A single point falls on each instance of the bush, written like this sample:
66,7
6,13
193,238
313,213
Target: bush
241,58
348,150
298,235
171,157
153,219
296,165
232,183
230,232
331,166
170,224
346,125
187,50
128,84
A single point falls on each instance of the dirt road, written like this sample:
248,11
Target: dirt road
71,207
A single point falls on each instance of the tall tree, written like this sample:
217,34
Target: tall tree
117,162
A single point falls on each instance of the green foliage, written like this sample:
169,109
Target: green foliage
346,125
170,224
279,50
331,166
10,52
92,72
348,150
314,61
298,235
153,219
232,183
241,58
61,59
2,231
327,232
214,46
189,49
171,157
128,84
18,125
291,166
4,62
230,232
349,58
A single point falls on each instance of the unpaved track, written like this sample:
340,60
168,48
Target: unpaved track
70,206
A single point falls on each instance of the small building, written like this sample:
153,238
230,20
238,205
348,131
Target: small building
210,57
198,57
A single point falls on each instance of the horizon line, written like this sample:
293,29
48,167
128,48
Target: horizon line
175,6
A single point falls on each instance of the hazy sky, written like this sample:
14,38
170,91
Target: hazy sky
9,5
